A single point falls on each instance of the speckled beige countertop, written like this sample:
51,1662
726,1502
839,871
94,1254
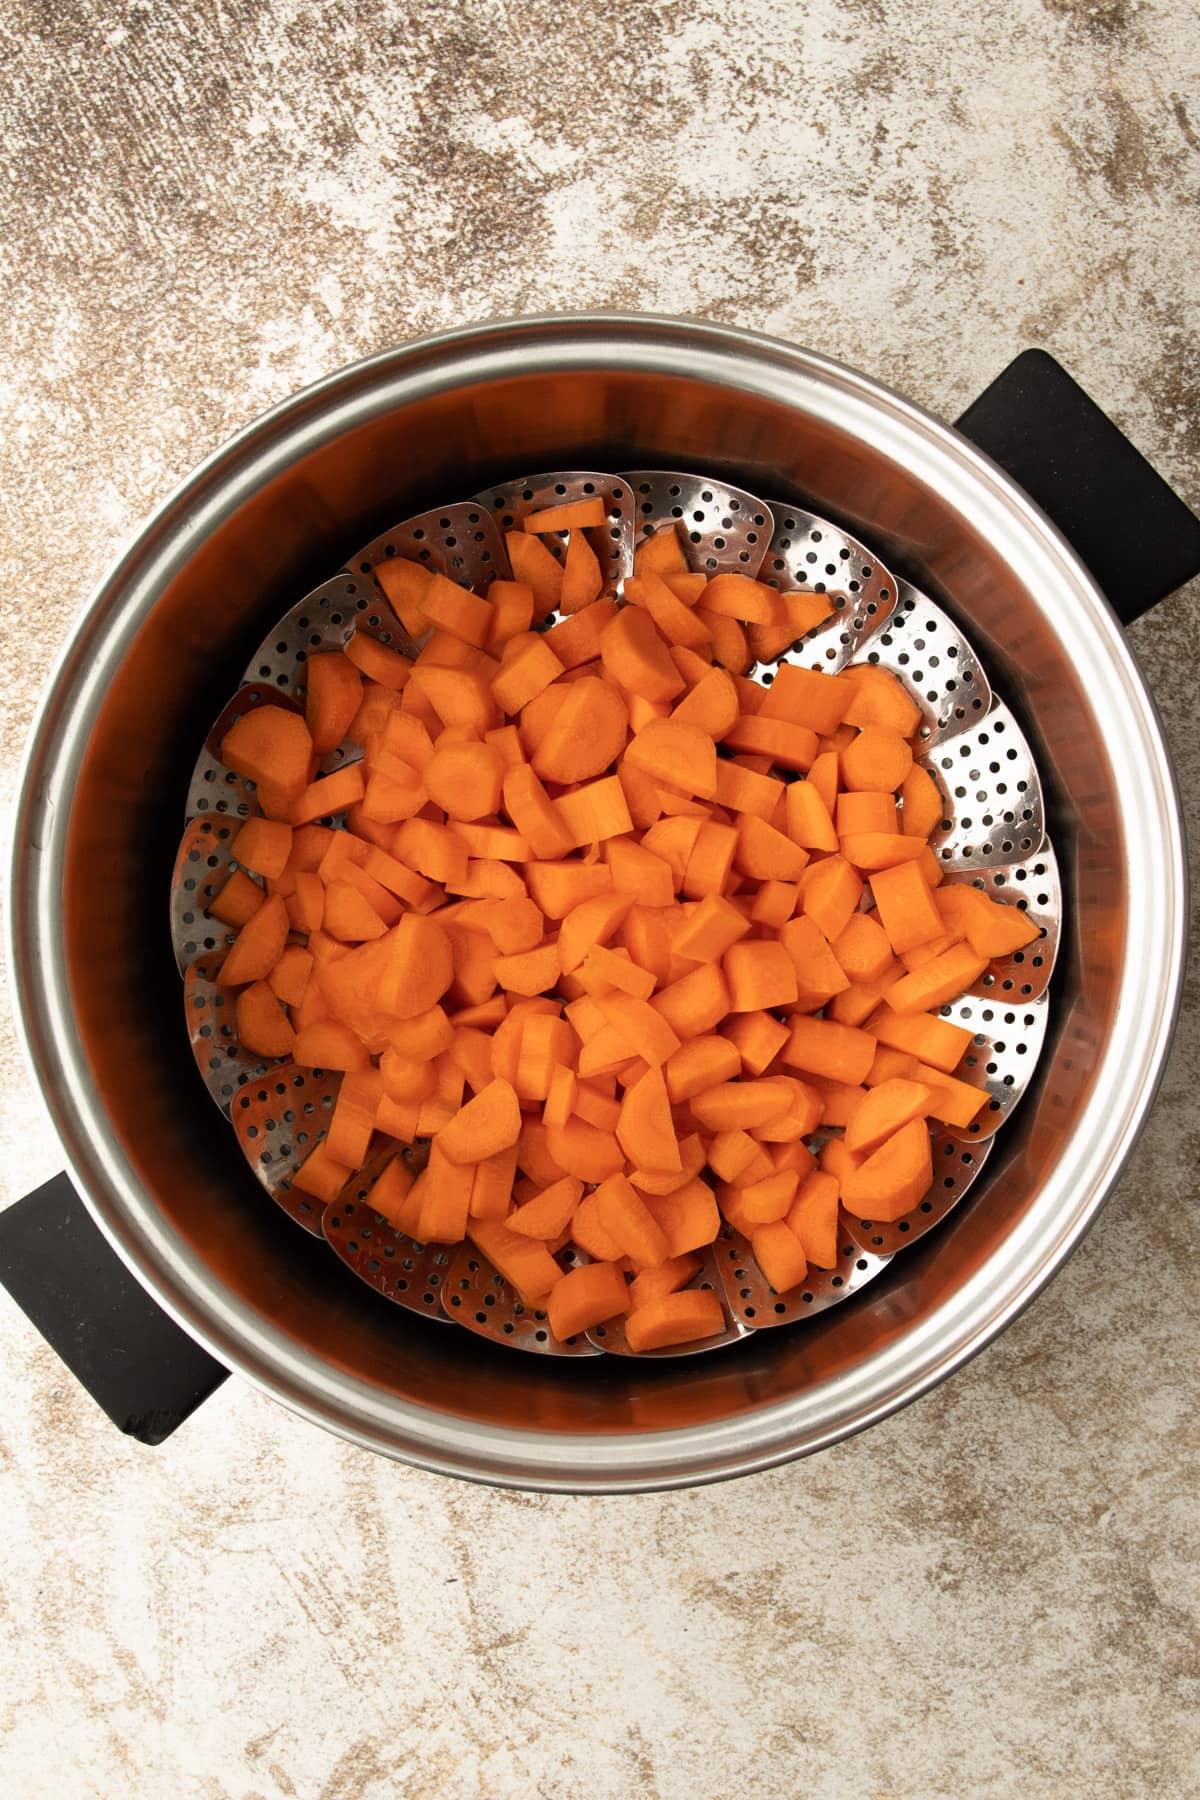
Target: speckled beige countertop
207,204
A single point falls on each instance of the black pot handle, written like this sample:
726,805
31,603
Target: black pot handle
1136,536
134,1361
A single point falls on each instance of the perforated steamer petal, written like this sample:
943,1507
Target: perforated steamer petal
992,834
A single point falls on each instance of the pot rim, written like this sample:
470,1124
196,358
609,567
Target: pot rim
978,1309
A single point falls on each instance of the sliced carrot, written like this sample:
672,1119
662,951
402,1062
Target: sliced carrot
465,780
645,1130
710,930
528,668
740,1105
832,891
682,1318
594,813
628,1220
780,1255
941,979
821,1047
661,552
263,845
333,695
330,795
329,1045
262,1024
239,899
921,803
635,655
270,746
583,578
932,1040
894,1178
879,699
257,947
905,907
584,1150
862,948
757,1038
586,1297
667,1278
808,820
759,975
813,1218
695,1003
786,745
320,1176
523,1261
883,1110
377,662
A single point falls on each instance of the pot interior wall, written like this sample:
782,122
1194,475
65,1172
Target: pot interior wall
216,592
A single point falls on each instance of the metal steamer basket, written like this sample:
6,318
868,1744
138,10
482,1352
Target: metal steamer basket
973,577
992,834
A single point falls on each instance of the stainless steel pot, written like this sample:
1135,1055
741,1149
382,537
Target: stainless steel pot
277,510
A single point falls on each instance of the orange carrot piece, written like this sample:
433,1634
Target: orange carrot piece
866,811
780,1255
486,1125
922,805
320,1176
742,790
877,761
879,699
883,1110
711,706
523,1261
682,1318
586,1297
813,1218
239,899
667,1278
586,734
832,891
636,657
687,1216
329,795
712,928
766,854
263,845
594,813
533,564
695,1003
329,1045
821,1047
262,1024
808,820
528,668
582,1149
628,1220
894,1178
943,978
576,640
661,552
740,1105
333,695
569,515
954,1102
759,975
270,746
756,1038
862,948
645,1130
257,947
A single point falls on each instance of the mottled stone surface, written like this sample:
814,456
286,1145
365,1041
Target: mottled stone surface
204,206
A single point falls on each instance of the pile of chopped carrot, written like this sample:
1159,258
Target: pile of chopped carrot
614,928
